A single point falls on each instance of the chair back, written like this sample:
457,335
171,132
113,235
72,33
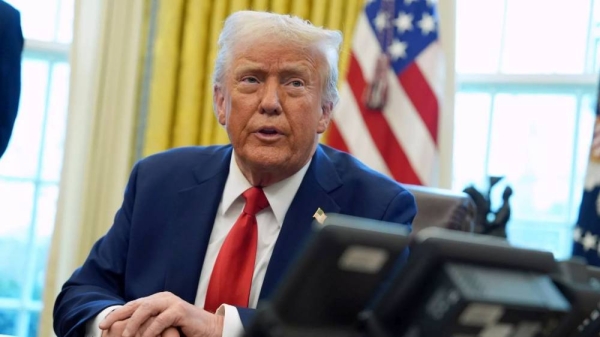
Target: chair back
442,208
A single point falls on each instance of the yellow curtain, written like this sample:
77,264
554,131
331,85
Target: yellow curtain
180,108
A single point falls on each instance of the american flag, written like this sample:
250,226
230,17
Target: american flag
400,138
586,234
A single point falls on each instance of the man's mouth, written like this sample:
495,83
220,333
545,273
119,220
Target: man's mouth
269,134
268,131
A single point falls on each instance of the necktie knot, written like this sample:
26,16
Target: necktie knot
256,200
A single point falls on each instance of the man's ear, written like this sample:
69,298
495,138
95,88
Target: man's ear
219,104
327,110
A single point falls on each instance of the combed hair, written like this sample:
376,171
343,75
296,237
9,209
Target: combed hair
242,25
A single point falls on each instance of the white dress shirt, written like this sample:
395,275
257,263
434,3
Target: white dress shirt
269,221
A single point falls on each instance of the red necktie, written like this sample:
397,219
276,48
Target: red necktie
231,278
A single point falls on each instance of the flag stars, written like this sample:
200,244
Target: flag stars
427,24
408,2
589,241
397,49
381,20
404,22
577,234
430,3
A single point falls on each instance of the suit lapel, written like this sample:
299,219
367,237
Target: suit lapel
192,225
313,193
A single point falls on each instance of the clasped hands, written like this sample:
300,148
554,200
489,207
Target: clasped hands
162,314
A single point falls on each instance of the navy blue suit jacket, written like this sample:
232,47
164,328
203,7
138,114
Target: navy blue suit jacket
11,47
160,235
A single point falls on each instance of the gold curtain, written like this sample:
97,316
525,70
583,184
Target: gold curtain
179,98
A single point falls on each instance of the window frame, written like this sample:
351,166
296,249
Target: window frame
578,85
26,308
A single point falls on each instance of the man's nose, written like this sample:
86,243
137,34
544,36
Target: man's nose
271,102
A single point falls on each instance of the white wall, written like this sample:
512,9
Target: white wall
447,30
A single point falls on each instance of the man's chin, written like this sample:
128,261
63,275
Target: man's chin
260,152
268,164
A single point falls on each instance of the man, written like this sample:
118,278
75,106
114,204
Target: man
213,229
11,47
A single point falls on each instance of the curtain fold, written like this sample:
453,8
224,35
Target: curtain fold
300,8
260,5
165,71
280,6
180,106
188,121
210,133
352,9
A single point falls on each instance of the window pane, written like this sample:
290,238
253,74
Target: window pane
541,236
64,31
471,129
56,123
596,56
554,42
478,35
9,281
16,205
34,320
38,18
537,132
595,38
22,155
8,322
46,211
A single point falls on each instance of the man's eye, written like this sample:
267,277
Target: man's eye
297,83
250,80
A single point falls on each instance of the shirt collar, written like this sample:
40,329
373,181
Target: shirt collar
280,195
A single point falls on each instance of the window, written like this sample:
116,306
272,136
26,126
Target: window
30,168
525,103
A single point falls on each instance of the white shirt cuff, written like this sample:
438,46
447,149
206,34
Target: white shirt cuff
232,323
91,327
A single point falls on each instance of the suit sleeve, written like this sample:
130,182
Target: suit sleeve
402,209
98,283
11,47
246,316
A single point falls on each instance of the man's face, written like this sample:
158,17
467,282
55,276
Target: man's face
271,105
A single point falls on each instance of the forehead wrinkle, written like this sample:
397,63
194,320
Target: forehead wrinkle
288,68
250,66
310,52
245,59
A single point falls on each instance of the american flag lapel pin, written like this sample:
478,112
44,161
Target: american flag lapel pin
320,215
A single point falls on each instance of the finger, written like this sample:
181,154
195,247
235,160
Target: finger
170,332
144,326
115,330
162,322
151,307
119,314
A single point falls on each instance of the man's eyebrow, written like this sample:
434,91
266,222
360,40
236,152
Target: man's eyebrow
296,70
292,69
250,67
